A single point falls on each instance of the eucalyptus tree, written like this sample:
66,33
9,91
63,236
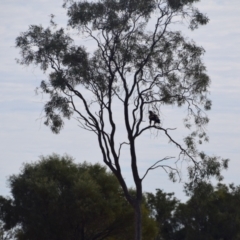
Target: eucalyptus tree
139,62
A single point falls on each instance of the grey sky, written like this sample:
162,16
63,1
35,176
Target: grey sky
24,137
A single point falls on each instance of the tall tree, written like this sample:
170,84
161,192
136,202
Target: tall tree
139,62
162,207
210,213
58,199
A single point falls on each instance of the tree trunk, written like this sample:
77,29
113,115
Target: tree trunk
138,220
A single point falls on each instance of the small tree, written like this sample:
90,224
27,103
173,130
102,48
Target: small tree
139,62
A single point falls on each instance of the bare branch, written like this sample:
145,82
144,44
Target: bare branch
119,150
157,165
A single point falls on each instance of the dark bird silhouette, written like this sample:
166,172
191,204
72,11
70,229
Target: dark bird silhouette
153,117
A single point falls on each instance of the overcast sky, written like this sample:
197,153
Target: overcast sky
24,137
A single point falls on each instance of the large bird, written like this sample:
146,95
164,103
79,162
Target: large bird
153,117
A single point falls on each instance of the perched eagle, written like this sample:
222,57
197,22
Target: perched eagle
153,117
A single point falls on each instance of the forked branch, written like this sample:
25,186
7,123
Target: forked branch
157,165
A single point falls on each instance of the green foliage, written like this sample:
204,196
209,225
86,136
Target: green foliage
211,213
162,206
161,61
55,198
207,168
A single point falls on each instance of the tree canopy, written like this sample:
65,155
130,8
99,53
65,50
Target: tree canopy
55,198
211,212
162,208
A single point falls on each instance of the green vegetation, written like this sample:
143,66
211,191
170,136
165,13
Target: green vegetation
58,199
211,213
55,198
138,63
